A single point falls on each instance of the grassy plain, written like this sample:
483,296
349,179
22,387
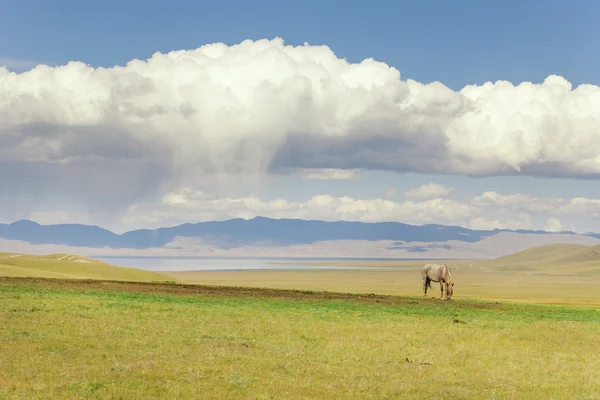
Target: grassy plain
101,339
345,334
70,266
481,279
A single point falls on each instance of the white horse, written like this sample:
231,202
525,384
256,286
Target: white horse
437,273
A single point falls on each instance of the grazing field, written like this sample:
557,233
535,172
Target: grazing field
473,281
70,266
103,339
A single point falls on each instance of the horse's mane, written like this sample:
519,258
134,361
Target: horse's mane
448,276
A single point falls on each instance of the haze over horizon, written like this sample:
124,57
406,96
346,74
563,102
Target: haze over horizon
110,119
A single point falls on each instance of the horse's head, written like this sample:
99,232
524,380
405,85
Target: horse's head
449,290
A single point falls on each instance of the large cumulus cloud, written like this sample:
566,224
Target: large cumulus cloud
260,107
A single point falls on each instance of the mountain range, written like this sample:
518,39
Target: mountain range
235,232
293,237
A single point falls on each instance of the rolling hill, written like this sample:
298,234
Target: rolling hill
554,259
69,266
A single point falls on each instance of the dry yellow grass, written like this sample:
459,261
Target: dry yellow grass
70,266
471,282
555,259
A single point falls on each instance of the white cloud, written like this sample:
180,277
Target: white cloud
188,206
478,212
488,210
105,139
490,197
328,174
576,207
553,225
580,206
248,105
429,191
523,222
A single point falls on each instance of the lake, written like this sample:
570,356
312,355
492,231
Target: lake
237,264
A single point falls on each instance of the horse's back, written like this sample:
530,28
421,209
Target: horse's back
425,270
434,272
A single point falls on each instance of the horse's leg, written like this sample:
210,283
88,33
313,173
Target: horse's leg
425,283
441,289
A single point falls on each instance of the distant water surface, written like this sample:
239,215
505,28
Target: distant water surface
239,264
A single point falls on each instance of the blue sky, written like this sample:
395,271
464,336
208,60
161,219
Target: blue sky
457,43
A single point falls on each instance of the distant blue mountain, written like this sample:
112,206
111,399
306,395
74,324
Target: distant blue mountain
238,231
69,234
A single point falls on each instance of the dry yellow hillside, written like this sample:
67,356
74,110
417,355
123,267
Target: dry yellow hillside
550,259
71,266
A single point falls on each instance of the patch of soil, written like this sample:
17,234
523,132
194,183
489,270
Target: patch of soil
238,292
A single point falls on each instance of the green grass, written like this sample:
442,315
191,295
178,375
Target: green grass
68,266
86,339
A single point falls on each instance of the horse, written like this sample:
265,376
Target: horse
437,273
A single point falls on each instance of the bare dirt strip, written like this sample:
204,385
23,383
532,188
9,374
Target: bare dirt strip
239,292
